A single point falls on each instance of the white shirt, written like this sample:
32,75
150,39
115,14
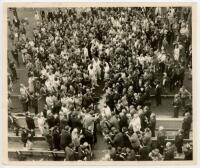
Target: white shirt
176,54
135,123
106,112
49,101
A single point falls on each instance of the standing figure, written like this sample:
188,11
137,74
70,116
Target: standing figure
179,141
186,125
177,105
158,94
161,139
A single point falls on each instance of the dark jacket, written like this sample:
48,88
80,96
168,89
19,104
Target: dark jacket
179,140
50,121
65,139
144,153
186,126
30,123
24,136
63,123
56,139
169,154
152,126
118,140
69,154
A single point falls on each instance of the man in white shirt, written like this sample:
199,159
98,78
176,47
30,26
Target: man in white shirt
49,101
106,112
92,75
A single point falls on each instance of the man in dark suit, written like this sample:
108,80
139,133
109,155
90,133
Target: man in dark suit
30,121
49,138
75,120
158,94
188,152
186,125
50,16
169,152
144,152
89,137
161,139
64,121
56,138
177,105
65,137
50,120
69,153
179,141
24,136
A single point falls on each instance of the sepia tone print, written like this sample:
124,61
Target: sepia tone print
100,83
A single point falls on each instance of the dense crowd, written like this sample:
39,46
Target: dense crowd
130,52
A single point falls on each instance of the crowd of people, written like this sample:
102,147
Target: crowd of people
129,52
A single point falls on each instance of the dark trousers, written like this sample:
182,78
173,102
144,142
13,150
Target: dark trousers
186,134
158,100
176,111
179,148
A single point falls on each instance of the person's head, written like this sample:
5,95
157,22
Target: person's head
146,108
124,129
168,145
180,131
71,145
116,131
139,107
187,115
183,87
147,130
153,116
188,146
156,151
75,130
68,128
21,85
176,95
161,128
135,115
85,145
28,114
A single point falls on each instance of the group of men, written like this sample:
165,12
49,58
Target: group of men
74,52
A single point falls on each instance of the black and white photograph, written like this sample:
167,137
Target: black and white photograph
100,83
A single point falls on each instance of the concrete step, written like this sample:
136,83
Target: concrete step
13,138
40,141
169,123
